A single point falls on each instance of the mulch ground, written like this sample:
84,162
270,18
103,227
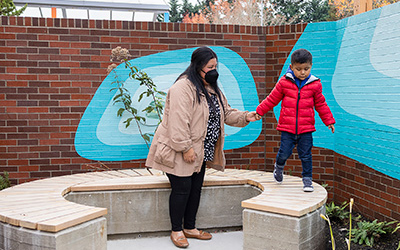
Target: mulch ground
340,230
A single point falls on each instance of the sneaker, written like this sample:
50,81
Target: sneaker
278,174
307,182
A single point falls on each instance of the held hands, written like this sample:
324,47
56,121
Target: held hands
189,156
331,127
253,116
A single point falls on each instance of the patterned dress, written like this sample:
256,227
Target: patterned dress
213,128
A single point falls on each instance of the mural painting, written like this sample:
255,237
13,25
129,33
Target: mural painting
357,59
101,135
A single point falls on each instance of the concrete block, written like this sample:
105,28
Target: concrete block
140,211
90,235
221,206
130,211
269,231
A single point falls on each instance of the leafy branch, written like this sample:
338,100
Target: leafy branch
8,8
124,97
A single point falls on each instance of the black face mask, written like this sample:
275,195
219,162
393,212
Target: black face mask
211,76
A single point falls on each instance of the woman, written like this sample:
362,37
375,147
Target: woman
191,137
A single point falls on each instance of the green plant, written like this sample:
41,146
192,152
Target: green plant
7,8
351,208
337,212
123,96
330,229
4,181
397,228
367,232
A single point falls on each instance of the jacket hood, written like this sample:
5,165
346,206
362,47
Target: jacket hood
290,75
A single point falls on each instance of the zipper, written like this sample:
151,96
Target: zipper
298,100
297,110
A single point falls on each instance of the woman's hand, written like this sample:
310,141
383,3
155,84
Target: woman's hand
189,156
252,116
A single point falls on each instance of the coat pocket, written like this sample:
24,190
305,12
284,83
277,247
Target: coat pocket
165,155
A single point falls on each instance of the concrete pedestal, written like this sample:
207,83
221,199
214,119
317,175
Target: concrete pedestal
271,231
90,235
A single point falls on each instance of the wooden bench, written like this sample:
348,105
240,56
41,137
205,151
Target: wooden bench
37,214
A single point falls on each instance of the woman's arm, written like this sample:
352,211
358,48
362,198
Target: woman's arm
180,100
234,117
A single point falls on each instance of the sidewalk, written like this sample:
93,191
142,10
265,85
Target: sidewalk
221,241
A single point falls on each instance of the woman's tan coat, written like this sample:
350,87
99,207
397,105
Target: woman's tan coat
184,126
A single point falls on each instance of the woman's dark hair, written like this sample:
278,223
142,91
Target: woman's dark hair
200,57
301,56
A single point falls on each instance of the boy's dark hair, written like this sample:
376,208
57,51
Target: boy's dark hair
301,56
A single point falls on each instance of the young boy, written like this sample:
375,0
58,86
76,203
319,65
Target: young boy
300,92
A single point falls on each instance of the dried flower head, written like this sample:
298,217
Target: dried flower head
324,217
111,67
351,204
120,54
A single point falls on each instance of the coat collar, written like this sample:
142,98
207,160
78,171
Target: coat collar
290,75
210,89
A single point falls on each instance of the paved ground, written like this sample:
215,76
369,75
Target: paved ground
221,241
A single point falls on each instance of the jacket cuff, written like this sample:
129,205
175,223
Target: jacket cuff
181,146
245,121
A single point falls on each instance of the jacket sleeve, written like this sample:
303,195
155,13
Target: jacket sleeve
322,107
234,117
271,101
181,102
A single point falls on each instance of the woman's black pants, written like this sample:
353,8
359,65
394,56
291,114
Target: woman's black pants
185,199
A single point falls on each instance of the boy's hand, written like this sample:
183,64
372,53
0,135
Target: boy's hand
258,117
332,127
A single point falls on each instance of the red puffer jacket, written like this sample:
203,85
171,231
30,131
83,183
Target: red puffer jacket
297,109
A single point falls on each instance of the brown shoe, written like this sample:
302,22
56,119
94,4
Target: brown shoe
180,242
200,236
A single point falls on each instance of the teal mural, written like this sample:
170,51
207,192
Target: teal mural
101,135
357,60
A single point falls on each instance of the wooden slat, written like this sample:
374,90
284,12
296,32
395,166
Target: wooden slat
142,171
156,172
143,182
222,181
66,221
40,204
15,216
128,172
34,221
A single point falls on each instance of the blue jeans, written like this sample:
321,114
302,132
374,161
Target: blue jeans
304,145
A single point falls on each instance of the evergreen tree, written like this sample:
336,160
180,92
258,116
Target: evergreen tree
317,11
7,8
187,8
303,10
174,13
204,4
287,8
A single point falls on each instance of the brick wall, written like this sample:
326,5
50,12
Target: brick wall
51,68
376,195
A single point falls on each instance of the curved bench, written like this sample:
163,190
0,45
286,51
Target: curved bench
37,215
